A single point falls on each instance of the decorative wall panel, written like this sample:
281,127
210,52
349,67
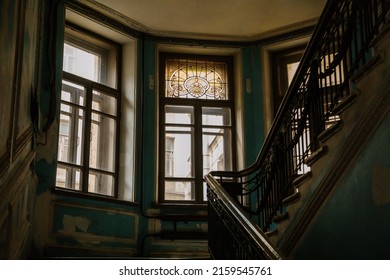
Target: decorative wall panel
28,83
9,30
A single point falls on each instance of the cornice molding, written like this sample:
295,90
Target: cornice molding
115,15
138,26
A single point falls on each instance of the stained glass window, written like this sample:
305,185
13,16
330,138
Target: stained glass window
196,79
196,124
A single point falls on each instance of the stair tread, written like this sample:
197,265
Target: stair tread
344,103
301,179
281,217
291,199
316,155
330,131
272,232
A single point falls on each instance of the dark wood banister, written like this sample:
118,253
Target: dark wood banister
259,239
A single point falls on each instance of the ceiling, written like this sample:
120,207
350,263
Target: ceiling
234,20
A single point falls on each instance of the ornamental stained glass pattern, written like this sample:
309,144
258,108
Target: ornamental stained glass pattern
196,79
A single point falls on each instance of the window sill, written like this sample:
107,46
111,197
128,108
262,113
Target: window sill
180,212
93,197
166,205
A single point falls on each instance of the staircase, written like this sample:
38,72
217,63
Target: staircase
337,101
359,119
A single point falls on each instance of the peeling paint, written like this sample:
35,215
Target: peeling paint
73,224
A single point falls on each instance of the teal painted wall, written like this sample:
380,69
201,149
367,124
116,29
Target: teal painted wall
149,122
355,223
74,222
253,104
94,221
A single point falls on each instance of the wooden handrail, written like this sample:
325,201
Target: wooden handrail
259,240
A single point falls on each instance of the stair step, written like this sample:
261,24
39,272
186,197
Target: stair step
272,232
301,179
280,218
291,199
344,103
316,155
330,131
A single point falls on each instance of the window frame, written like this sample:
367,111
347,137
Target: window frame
111,87
280,83
198,105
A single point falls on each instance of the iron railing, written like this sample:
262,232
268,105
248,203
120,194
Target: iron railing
339,47
232,234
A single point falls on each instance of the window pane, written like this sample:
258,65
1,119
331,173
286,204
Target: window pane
103,140
70,139
291,69
79,140
104,103
178,155
82,63
101,183
215,157
183,190
204,191
179,115
63,140
216,116
73,93
68,177
62,174
65,108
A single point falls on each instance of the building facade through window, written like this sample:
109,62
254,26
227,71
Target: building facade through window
196,124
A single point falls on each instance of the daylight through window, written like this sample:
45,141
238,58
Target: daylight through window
89,121
197,125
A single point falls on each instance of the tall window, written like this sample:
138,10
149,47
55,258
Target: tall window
89,115
196,124
284,66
